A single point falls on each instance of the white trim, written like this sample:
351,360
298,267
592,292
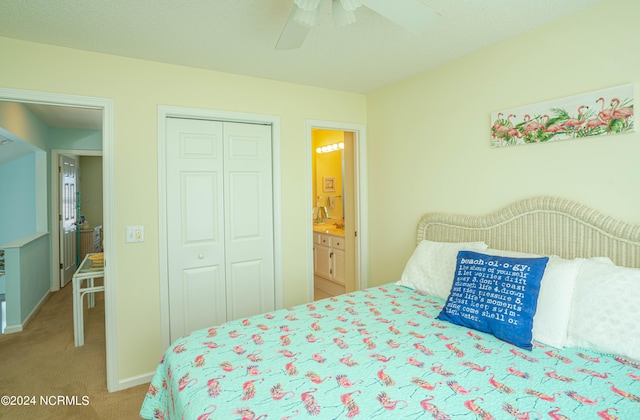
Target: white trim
132,381
9,329
165,111
20,242
55,231
41,191
360,190
107,105
109,235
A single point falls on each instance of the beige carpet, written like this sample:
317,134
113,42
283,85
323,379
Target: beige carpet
42,362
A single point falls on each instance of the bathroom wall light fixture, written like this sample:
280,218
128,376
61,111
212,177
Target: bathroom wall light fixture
330,148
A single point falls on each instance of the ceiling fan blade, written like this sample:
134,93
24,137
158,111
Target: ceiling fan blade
413,15
293,34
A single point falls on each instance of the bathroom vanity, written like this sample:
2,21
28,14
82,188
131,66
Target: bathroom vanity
328,257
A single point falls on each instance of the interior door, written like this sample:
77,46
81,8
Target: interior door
68,174
219,222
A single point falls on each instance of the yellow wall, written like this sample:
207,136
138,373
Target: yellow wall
328,164
428,137
137,88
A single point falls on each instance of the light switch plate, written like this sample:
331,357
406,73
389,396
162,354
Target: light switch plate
134,234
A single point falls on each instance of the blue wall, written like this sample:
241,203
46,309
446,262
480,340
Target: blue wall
27,280
71,138
18,192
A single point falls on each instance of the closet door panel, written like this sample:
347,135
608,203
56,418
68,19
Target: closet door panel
245,206
245,294
198,225
204,297
195,225
249,218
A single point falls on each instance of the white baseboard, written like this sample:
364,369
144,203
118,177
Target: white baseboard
130,382
9,329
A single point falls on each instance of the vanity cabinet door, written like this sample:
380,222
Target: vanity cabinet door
322,261
338,265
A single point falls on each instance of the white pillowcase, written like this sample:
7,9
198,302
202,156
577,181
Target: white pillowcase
432,266
551,321
605,314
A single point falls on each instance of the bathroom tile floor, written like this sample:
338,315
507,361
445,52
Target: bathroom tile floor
319,294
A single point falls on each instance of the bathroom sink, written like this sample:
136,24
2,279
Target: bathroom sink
330,229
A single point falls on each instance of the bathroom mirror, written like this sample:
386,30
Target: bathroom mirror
328,175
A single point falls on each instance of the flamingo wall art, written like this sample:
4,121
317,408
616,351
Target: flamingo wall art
602,112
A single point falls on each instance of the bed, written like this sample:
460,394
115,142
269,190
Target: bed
458,336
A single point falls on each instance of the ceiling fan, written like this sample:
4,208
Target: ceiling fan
413,15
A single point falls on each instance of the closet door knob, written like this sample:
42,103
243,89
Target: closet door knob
201,256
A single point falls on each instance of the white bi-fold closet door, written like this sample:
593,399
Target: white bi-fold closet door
219,222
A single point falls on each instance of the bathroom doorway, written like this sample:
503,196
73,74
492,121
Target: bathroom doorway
336,154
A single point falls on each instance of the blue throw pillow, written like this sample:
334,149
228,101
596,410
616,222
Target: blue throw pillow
495,294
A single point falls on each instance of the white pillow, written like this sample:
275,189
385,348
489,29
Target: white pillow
433,264
605,314
551,321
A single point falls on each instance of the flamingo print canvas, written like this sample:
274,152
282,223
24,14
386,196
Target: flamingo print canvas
602,112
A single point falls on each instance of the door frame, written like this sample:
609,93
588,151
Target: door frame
360,192
166,111
55,203
108,194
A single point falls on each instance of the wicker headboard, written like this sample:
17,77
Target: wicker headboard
544,226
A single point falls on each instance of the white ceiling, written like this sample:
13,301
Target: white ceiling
239,36
67,116
12,147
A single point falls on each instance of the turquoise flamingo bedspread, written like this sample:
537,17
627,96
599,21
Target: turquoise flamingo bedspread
380,353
